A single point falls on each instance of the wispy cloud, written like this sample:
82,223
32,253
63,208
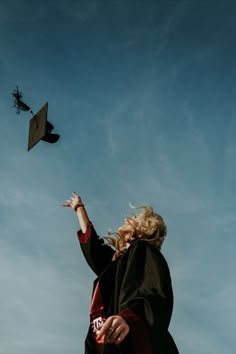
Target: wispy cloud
195,134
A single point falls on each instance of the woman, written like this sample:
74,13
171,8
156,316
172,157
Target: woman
132,298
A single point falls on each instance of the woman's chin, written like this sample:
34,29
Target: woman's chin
120,231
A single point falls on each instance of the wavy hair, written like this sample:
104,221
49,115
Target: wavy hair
150,227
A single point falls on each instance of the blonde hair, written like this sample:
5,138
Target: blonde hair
149,225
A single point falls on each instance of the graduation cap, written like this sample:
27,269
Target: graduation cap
40,129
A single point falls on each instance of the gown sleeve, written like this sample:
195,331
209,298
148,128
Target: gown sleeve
146,298
97,254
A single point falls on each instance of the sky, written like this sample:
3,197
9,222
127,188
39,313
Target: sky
143,96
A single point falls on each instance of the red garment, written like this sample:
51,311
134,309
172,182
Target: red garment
97,316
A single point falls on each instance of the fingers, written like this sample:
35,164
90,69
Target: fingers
68,203
119,334
120,337
104,328
115,335
114,330
73,201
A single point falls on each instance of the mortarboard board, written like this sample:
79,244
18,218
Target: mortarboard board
40,128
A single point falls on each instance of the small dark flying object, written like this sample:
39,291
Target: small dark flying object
18,103
39,127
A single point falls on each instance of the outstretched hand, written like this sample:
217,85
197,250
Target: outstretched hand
74,202
114,330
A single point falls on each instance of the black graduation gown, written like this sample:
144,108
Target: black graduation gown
137,287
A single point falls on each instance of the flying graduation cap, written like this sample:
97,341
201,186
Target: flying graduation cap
39,127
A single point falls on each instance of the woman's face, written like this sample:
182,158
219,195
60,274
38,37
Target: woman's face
127,229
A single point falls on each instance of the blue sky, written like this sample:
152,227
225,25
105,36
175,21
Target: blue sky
143,95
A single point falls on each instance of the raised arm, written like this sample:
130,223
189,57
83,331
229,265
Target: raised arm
75,202
97,255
